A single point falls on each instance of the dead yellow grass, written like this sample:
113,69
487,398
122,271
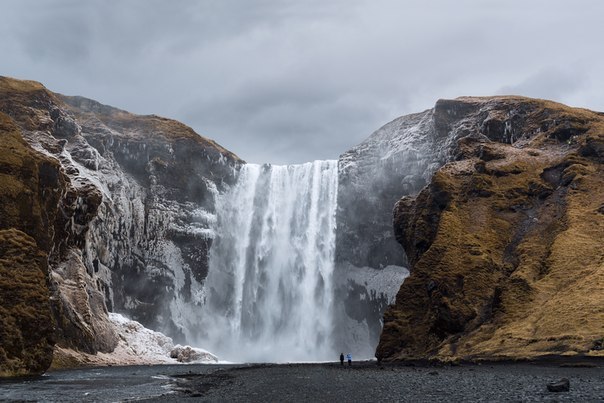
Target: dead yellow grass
515,263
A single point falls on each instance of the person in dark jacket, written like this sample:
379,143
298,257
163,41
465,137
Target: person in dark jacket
341,358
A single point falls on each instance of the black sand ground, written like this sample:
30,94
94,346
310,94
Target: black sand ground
363,382
370,383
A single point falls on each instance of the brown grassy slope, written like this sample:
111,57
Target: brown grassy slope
506,246
29,194
24,102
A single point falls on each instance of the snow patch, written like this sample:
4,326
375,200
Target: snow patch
138,342
139,345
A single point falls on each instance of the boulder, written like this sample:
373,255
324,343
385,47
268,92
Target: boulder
563,385
188,354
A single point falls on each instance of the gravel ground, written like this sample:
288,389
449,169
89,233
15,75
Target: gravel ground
363,382
366,382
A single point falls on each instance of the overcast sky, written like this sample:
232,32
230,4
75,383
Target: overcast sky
289,81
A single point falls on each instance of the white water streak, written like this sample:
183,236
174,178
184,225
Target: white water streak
269,289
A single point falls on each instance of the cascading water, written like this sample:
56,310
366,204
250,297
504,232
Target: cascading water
269,291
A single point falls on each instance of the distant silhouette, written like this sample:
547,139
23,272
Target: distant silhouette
349,358
341,358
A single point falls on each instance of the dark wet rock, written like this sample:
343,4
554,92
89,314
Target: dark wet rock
594,148
563,385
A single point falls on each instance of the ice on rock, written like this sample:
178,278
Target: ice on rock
138,344
396,160
141,343
188,354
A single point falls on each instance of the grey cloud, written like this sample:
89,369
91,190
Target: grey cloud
317,127
551,83
290,81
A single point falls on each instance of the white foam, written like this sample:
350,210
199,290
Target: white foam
269,289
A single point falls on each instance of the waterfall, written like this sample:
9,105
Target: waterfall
269,292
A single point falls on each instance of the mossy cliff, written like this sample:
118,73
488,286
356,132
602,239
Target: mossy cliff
98,208
46,297
30,190
506,242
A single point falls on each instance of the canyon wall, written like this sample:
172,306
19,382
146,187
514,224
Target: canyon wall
29,200
505,243
396,160
99,207
500,222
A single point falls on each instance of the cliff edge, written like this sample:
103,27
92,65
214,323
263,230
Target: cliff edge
505,243
100,210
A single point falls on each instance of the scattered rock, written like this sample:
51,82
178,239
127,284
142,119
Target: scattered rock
563,385
599,344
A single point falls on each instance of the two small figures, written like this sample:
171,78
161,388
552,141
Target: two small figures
348,357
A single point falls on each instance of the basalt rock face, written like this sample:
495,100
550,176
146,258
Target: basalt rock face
505,242
396,160
148,245
98,208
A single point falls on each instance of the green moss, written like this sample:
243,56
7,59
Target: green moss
25,318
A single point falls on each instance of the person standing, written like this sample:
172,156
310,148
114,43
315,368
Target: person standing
349,358
342,359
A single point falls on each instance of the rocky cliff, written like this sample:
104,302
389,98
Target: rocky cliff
505,242
29,201
103,210
396,160
159,179
98,207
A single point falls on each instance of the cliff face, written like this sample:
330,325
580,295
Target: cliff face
99,207
159,179
396,160
370,264
26,179
505,243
